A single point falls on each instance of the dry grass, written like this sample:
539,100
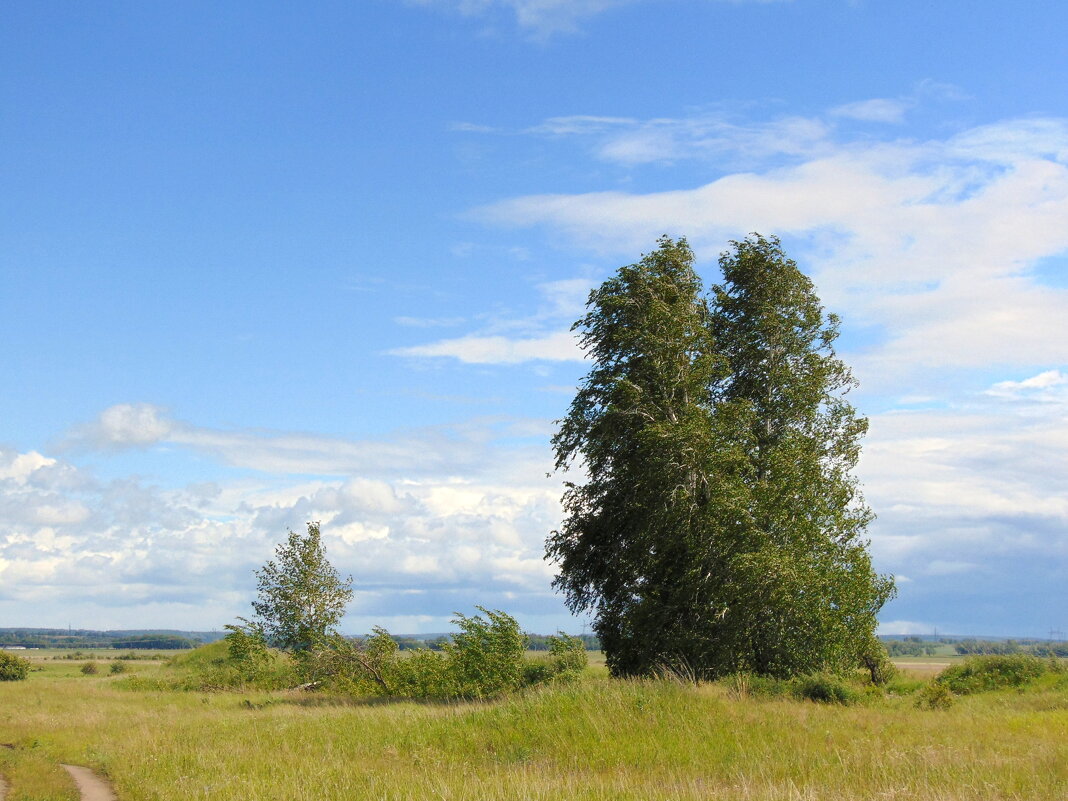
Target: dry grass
598,739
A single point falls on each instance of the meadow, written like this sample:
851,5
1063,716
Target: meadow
596,738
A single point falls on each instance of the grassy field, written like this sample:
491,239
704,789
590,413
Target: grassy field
595,739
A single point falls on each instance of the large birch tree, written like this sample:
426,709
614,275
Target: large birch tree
719,526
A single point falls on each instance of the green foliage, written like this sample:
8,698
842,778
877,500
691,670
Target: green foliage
484,660
935,695
247,649
877,662
90,669
300,595
910,647
87,638
117,667
994,672
567,655
13,667
486,656
824,689
367,667
719,529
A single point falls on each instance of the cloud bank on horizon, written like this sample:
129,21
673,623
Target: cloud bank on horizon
937,231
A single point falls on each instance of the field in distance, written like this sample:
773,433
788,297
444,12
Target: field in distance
595,738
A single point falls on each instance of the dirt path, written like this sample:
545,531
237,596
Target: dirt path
3,789
91,786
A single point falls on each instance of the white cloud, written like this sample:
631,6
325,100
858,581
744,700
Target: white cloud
126,425
967,488
712,136
21,466
874,110
415,451
1050,386
559,346
515,340
121,551
932,242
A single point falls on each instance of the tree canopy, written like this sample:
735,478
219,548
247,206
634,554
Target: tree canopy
301,597
719,526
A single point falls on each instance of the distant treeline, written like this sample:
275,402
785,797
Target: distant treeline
1036,647
85,638
435,642
911,646
917,646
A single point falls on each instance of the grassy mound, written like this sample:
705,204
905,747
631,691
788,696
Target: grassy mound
211,667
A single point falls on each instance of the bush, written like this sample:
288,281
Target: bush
483,661
565,661
536,671
567,656
90,669
824,689
246,647
12,667
486,657
982,673
117,667
935,696
877,662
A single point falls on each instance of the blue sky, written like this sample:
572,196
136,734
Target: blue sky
264,264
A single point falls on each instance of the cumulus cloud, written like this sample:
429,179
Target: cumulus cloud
971,507
123,550
124,425
19,467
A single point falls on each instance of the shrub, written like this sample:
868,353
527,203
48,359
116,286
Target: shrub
369,667
90,669
536,671
117,667
486,657
565,661
12,667
935,696
246,647
484,660
567,655
824,689
877,662
982,673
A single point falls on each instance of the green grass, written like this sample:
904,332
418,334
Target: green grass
595,739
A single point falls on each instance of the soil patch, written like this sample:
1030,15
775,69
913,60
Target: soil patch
91,786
